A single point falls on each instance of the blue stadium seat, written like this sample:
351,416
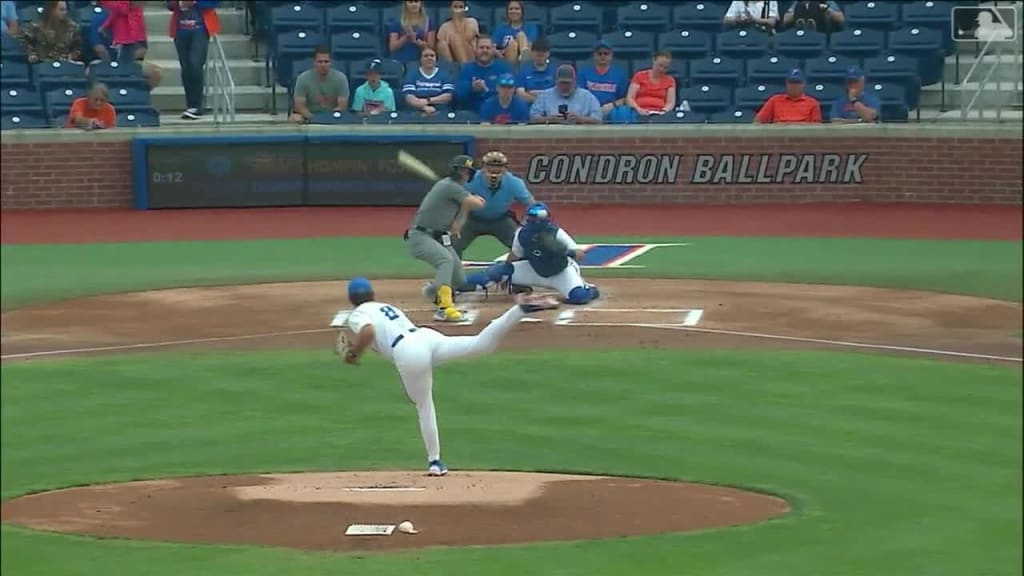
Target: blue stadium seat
932,14
84,15
355,46
59,101
353,16
677,69
14,73
895,68
571,44
21,99
647,16
857,43
770,69
392,72
454,117
825,94
393,117
717,70
830,69
753,96
873,14
894,100
577,16
29,14
11,49
130,99
925,45
138,119
736,115
800,44
704,15
676,117
295,17
742,44
690,44
118,74
706,98
12,120
50,75
328,118
292,46
631,44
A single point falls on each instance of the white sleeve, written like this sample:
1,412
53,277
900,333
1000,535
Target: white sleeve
735,9
517,248
563,237
358,319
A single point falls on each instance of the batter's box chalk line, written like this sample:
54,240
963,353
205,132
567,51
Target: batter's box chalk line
674,316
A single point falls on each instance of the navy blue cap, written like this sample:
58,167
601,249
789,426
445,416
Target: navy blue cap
357,286
795,75
375,65
506,79
854,73
602,44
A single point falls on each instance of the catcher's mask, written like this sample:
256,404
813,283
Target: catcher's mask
359,291
537,212
495,163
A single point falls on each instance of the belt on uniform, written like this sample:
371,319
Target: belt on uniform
400,337
435,234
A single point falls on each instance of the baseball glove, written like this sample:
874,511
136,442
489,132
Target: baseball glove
343,345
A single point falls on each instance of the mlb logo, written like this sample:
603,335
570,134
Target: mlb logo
984,24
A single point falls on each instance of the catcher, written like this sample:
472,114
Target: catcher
501,189
543,256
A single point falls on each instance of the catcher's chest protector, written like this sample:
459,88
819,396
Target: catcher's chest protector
542,249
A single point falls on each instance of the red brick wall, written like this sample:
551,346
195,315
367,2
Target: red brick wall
908,169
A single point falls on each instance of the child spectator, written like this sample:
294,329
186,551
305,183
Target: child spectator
505,107
456,38
374,96
411,33
322,88
536,75
427,87
53,36
93,111
193,23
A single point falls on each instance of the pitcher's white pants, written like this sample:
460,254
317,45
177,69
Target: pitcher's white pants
417,354
563,282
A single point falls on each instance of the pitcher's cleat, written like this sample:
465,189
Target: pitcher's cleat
436,468
535,303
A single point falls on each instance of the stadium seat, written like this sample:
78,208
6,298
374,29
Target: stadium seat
59,101
828,69
56,74
12,120
138,119
392,72
706,98
290,47
894,100
355,46
571,44
676,117
21,99
677,69
295,17
800,44
646,16
874,15
535,12
736,115
29,14
84,15
14,73
825,94
706,15
717,70
934,15
11,49
130,99
742,44
895,68
577,16
689,44
753,96
925,45
857,43
118,74
770,69
328,118
354,16
630,44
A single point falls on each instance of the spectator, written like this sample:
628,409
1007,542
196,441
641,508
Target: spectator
537,75
193,23
322,88
608,83
825,17
478,80
514,38
792,105
92,111
653,91
457,38
53,36
9,14
428,87
565,103
374,96
763,15
856,105
505,107
411,33
120,24
98,39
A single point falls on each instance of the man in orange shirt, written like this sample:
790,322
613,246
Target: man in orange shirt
793,106
93,110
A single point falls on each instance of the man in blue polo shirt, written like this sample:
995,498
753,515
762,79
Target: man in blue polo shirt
857,105
536,75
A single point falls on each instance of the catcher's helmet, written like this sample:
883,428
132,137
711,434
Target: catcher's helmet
537,211
462,162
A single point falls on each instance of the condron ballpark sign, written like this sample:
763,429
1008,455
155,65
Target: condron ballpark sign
708,169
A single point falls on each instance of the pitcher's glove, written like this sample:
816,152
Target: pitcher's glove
343,346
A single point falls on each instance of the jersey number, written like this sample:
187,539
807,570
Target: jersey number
389,312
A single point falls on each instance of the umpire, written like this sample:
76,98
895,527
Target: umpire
437,220
500,188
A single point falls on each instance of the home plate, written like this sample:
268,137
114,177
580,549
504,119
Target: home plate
369,529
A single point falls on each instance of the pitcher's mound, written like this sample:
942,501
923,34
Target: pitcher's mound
313,510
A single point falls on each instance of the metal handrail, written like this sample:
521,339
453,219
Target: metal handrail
220,85
965,105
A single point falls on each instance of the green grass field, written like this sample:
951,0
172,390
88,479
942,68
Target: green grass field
895,466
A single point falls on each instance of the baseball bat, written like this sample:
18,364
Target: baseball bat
415,165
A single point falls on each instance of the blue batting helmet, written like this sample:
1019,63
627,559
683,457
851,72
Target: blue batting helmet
538,211
359,288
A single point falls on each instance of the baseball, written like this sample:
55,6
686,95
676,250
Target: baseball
407,528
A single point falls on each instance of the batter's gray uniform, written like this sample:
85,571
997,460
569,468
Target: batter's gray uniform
428,238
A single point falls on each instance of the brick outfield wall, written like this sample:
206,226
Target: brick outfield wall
41,175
